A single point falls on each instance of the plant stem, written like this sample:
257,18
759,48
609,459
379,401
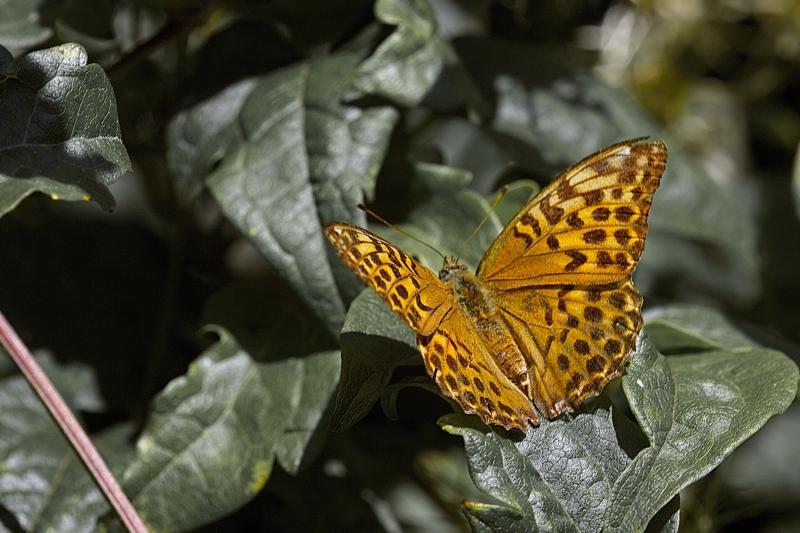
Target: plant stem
71,428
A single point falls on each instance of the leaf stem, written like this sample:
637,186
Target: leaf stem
71,428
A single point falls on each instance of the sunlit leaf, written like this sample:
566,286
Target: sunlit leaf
61,135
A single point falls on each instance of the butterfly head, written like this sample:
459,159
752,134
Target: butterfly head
451,269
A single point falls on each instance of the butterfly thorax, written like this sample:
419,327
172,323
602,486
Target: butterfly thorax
468,289
477,301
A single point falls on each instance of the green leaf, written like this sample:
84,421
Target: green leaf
574,473
557,478
374,342
289,156
213,433
682,327
44,484
694,409
264,188
20,24
406,65
61,134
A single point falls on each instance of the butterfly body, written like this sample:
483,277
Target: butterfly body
551,314
478,303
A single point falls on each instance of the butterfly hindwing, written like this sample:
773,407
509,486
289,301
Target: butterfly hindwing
578,338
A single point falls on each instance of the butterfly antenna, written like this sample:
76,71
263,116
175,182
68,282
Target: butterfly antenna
371,213
500,195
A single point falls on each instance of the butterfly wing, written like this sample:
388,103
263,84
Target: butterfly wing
458,359
574,339
411,290
454,354
560,273
587,227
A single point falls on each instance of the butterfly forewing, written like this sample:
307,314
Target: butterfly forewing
413,292
586,227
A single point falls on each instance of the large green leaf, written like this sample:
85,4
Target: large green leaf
575,473
285,153
213,434
694,409
289,156
557,478
60,132
42,482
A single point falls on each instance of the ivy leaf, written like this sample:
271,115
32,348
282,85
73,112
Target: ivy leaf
61,134
214,433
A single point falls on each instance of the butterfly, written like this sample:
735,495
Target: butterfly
551,314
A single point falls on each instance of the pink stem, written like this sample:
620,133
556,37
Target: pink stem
69,425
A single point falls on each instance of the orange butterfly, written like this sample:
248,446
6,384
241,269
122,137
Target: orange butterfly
551,314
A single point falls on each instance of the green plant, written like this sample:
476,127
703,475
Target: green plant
256,156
